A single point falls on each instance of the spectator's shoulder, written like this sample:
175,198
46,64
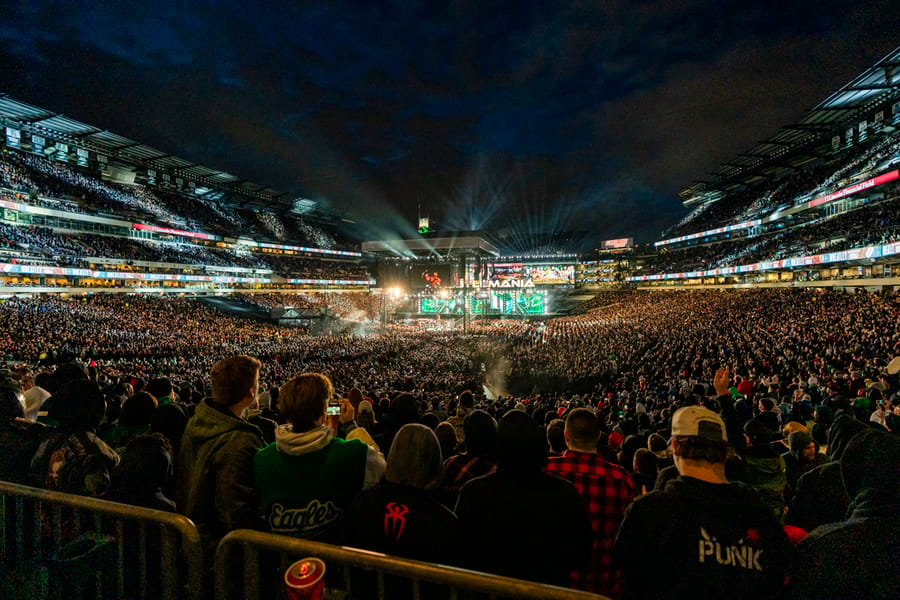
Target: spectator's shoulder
652,502
617,471
822,534
479,483
243,439
266,451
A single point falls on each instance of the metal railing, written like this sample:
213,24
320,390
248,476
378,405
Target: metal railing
344,565
90,547
82,547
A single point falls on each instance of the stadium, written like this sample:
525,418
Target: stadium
128,274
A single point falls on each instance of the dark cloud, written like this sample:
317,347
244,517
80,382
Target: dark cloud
512,115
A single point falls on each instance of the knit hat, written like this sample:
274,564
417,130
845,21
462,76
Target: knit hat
360,433
795,534
77,406
404,409
657,444
696,421
842,431
793,427
355,396
790,428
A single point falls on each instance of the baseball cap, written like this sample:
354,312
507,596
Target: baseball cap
697,421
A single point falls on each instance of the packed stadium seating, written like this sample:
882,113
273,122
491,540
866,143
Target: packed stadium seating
843,169
43,183
867,225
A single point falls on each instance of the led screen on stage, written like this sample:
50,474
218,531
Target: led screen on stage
522,275
435,305
512,303
494,302
433,276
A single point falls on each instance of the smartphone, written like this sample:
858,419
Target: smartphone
333,411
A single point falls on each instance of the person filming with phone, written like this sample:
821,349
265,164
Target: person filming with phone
308,477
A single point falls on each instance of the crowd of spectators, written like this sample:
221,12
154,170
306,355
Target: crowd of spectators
42,245
865,226
271,223
54,184
604,298
849,166
310,267
658,338
349,306
787,373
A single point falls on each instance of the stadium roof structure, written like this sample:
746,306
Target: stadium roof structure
129,153
799,144
438,247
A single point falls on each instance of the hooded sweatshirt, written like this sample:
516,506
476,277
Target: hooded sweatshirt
402,516
820,496
795,462
764,469
844,560
215,473
307,480
704,540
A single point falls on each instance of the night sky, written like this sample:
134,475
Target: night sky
516,117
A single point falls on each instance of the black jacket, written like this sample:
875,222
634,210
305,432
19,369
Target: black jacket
853,559
703,540
531,526
403,521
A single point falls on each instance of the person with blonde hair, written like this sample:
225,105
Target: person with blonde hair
308,477
215,462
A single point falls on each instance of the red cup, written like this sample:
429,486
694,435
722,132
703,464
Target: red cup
305,580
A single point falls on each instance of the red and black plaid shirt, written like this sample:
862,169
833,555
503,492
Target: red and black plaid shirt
608,490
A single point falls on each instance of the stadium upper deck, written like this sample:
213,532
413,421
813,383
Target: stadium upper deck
816,202
64,228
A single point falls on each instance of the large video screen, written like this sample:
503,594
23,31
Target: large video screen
493,302
522,275
417,275
433,276
615,244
